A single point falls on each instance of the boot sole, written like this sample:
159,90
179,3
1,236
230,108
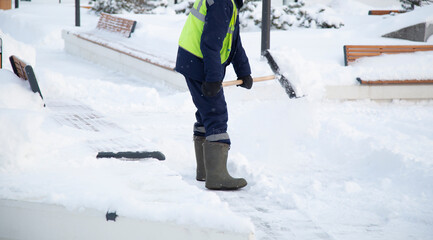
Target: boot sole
223,188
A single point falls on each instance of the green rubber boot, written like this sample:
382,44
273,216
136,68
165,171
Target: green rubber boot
198,146
217,176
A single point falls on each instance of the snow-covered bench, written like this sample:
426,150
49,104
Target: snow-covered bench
385,12
116,24
25,72
382,89
353,52
106,48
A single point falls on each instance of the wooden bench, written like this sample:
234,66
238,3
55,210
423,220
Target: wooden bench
25,72
116,24
384,12
353,52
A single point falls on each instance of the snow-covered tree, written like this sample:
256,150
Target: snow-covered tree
410,4
184,7
294,14
133,6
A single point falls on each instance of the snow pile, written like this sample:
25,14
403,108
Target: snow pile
17,48
20,113
44,161
14,93
396,67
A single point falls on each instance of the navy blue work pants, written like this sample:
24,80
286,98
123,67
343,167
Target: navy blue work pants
211,115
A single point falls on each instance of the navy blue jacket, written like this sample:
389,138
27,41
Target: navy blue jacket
210,68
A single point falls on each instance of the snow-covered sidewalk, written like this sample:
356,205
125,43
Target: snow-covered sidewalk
316,169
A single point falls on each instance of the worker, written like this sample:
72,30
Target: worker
209,42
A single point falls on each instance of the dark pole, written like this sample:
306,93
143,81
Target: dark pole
1,53
17,3
77,13
266,25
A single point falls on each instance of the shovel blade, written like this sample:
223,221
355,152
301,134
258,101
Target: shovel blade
285,83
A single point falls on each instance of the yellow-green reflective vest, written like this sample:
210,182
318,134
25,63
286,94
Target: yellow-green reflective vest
190,37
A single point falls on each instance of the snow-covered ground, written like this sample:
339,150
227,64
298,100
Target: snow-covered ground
316,169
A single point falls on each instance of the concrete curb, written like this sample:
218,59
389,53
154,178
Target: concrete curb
380,92
26,220
128,62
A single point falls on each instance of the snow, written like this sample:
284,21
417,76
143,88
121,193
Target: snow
316,169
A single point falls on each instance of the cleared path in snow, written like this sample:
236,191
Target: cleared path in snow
274,218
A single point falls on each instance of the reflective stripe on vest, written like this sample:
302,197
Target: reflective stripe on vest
191,33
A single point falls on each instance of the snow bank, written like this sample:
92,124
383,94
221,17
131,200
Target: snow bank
11,47
19,115
398,67
67,173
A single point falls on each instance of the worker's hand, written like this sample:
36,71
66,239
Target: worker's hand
211,89
247,82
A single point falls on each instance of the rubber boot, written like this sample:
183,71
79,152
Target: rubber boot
198,146
217,176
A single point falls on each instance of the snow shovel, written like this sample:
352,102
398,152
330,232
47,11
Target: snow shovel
257,79
131,156
281,78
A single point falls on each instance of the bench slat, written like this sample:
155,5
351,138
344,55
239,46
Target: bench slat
18,67
384,12
388,46
366,53
357,55
388,50
353,52
405,81
372,54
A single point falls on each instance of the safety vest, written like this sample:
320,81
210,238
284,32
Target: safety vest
190,37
